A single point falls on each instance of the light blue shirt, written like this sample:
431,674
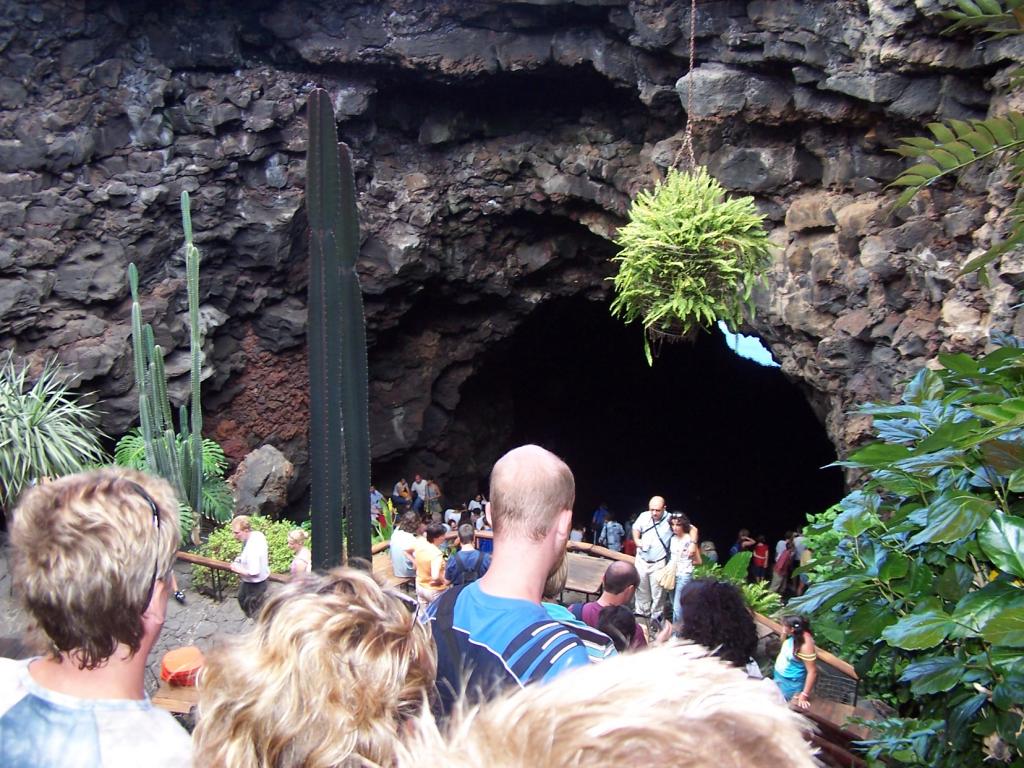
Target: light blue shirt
40,728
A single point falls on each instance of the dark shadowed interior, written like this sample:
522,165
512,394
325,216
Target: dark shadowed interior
732,443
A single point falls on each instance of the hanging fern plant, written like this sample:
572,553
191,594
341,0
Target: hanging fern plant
689,257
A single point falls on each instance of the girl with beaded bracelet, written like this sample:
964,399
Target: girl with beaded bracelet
795,668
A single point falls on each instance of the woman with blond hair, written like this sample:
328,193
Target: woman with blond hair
328,675
303,561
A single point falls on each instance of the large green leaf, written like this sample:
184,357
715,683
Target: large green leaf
965,365
920,630
820,595
738,566
901,483
1009,692
1002,541
917,582
868,621
895,566
951,518
977,608
964,712
930,460
1007,413
859,513
1016,481
933,675
926,385
1004,456
876,455
1006,629
954,582
950,434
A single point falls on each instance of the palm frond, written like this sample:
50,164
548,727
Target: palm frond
958,145
991,17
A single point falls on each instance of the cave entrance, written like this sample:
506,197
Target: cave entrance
730,442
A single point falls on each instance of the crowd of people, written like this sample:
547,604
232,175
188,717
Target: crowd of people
685,550
791,553
339,670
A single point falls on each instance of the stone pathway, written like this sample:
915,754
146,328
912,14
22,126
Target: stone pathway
201,621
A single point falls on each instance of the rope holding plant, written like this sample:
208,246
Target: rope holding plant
689,257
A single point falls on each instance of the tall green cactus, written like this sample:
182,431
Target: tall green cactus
339,431
177,460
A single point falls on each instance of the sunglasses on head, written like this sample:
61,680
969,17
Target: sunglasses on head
156,524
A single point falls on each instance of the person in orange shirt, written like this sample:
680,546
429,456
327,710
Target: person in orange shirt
429,560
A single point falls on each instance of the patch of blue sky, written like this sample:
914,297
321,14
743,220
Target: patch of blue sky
748,347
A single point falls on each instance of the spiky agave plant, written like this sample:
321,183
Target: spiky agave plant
45,431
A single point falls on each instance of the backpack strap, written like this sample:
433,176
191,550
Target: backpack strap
444,620
458,568
576,609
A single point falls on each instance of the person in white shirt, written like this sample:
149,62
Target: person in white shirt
652,533
452,517
419,487
252,566
403,538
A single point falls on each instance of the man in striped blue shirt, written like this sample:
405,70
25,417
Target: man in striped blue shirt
494,633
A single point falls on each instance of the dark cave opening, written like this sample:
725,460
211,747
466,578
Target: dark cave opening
732,443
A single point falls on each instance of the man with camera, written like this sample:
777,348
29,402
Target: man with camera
652,535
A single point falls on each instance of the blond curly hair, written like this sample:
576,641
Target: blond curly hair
86,552
670,705
332,669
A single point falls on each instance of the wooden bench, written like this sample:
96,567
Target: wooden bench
382,569
586,573
176,699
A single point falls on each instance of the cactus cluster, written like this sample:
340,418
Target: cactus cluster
179,460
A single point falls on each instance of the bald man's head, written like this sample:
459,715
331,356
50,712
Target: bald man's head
530,486
656,506
619,577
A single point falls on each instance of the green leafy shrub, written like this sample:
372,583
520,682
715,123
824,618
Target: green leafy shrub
218,501
689,257
222,545
382,532
823,540
44,430
928,590
756,594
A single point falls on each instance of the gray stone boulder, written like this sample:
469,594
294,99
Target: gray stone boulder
261,482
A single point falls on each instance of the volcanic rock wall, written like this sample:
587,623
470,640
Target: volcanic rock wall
497,147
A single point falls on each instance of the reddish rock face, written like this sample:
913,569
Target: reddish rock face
271,403
497,147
